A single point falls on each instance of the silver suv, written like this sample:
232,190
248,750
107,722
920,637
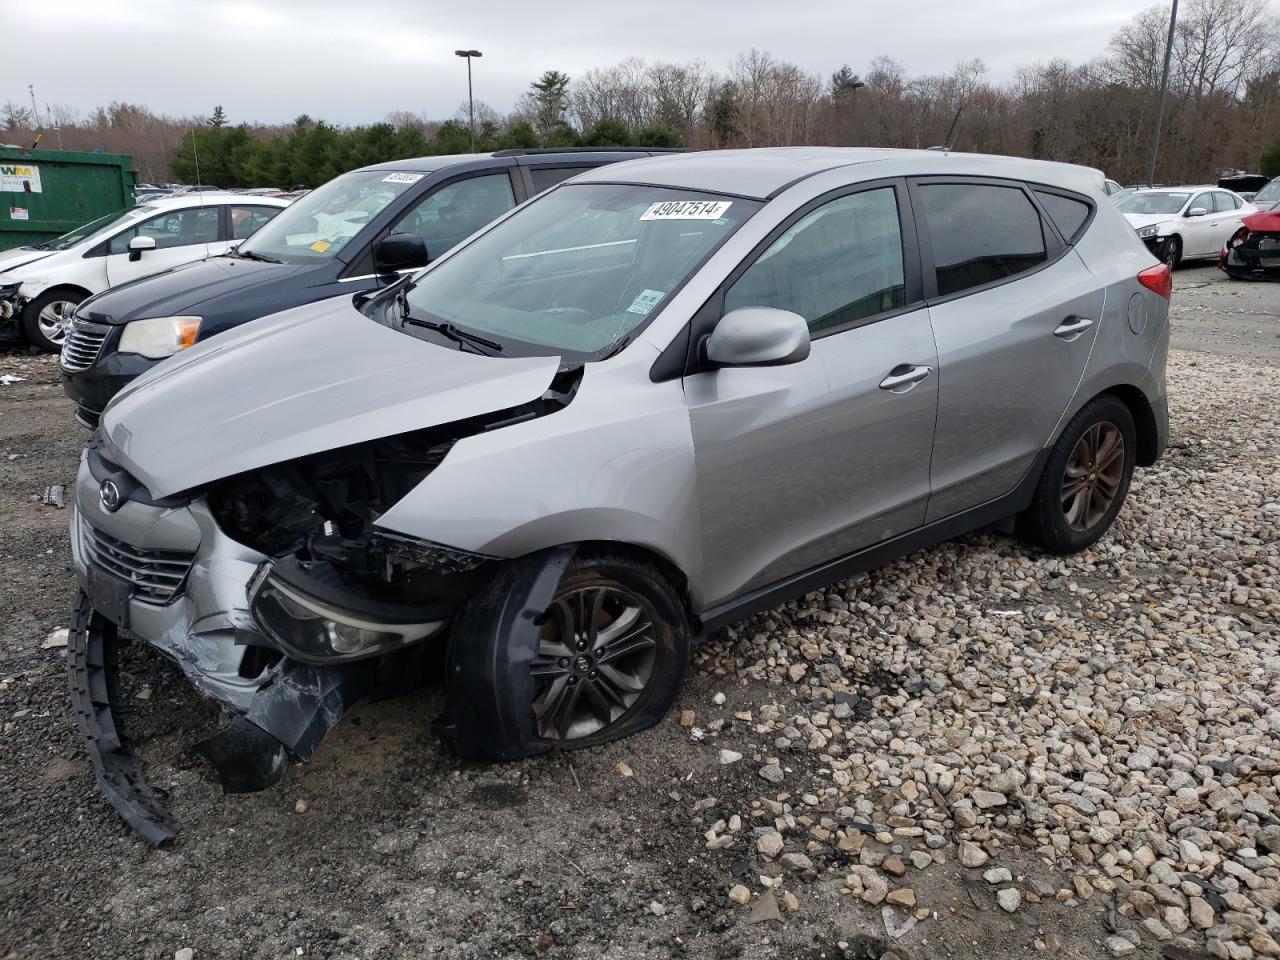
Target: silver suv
654,400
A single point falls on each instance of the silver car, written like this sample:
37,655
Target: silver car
658,398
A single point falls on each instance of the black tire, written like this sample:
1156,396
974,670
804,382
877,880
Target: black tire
506,656
1067,514
1171,252
31,323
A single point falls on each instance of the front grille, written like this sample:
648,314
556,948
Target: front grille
83,344
156,575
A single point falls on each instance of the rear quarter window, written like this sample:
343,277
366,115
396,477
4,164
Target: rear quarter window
1068,215
544,178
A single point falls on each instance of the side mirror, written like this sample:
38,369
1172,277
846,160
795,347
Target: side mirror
1197,212
400,251
137,245
758,337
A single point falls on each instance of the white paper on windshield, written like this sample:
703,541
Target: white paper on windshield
403,177
647,300
687,210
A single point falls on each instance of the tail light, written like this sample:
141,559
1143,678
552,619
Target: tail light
1158,279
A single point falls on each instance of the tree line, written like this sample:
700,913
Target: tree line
1222,111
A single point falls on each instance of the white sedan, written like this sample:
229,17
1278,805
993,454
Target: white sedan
41,286
1185,223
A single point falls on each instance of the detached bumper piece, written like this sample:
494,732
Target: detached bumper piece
494,640
288,718
97,703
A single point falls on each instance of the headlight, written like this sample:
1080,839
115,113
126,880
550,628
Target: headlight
1147,233
159,337
313,630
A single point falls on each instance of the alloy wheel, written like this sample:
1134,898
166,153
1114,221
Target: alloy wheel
54,318
1095,471
596,654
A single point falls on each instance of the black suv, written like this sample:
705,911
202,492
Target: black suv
354,234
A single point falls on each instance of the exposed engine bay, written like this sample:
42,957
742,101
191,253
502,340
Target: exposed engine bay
321,510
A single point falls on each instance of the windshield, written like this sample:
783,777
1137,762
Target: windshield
1153,201
578,270
317,226
1268,194
93,230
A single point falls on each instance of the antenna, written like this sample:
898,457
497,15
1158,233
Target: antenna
195,151
952,129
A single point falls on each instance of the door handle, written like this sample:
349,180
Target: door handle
903,377
1072,327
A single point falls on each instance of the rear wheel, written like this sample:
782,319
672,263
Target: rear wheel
45,319
1085,479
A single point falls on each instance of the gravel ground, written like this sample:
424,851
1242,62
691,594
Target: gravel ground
1007,754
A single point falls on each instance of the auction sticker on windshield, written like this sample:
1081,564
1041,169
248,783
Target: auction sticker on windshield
687,210
645,302
402,177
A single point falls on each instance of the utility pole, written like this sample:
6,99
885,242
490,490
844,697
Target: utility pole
35,111
1164,86
471,105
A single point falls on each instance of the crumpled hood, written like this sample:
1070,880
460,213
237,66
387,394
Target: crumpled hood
1140,220
184,289
306,380
1266,221
13,259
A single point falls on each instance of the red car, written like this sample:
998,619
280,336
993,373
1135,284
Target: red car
1254,252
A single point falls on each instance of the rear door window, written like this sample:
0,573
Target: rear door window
1068,215
980,234
449,215
1224,203
245,220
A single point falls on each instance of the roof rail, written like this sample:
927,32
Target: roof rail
536,151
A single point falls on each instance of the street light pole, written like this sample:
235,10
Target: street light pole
853,85
1164,86
471,105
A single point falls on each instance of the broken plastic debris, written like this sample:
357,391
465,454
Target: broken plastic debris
55,495
9,379
891,926
55,640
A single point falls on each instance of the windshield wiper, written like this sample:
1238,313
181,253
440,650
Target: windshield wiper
457,335
253,255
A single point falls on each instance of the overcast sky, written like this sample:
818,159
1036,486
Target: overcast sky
355,61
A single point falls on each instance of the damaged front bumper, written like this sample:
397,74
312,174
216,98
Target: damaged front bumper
166,573
10,310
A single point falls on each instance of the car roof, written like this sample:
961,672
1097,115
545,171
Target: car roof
425,164
201,197
505,157
762,173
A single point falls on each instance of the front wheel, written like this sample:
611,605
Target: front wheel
1085,479
1171,252
45,319
599,654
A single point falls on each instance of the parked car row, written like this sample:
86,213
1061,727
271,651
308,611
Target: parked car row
1185,223
353,235
41,285
647,402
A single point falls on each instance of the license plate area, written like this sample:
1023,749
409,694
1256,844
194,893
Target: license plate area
109,595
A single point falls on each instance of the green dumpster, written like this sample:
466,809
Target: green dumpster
45,193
